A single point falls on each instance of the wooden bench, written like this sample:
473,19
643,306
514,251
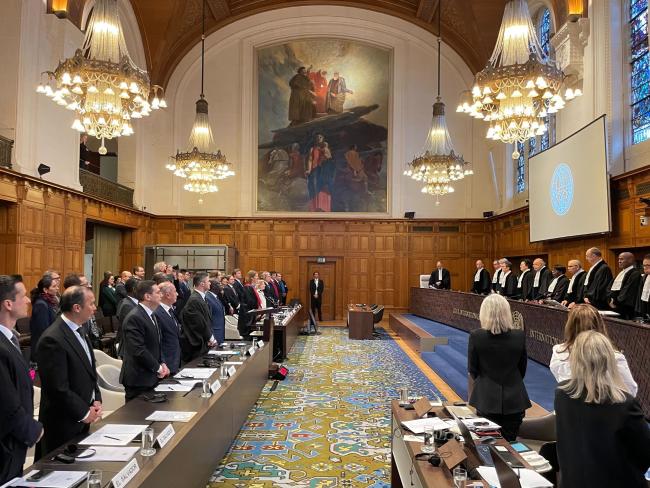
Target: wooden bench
415,337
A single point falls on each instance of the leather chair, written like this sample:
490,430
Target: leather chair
111,401
102,358
232,333
424,281
108,377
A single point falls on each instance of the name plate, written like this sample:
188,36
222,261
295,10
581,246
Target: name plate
231,371
167,433
251,350
126,474
215,386
260,344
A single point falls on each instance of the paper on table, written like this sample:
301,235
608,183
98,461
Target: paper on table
114,435
417,426
527,478
223,353
197,373
472,424
179,387
56,479
170,416
103,453
413,438
233,363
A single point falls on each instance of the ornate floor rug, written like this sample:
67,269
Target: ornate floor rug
328,423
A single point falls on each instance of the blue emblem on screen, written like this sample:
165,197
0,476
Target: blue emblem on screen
562,189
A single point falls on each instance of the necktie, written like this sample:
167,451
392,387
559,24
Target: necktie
84,343
171,314
14,340
155,322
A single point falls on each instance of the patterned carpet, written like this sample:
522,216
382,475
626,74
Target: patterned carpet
328,423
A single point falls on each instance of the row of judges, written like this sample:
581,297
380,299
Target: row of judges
627,293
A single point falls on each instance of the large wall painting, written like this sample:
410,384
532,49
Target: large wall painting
323,111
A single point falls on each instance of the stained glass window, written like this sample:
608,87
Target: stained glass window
532,146
544,33
521,168
640,71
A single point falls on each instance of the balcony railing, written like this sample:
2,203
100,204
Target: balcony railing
5,151
99,187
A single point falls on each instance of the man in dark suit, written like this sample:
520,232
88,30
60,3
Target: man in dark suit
271,290
217,312
142,366
18,429
238,283
70,396
182,289
525,281
170,328
196,334
250,301
284,289
316,289
120,289
558,286
496,264
574,293
231,294
598,279
507,280
440,278
123,308
624,289
541,279
481,283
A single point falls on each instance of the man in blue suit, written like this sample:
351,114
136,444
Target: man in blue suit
218,312
170,327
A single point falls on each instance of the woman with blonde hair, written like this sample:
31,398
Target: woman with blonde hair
585,317
602,436
496,361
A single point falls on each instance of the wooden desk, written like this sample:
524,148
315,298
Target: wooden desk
360,322
410,472
285,334
192,455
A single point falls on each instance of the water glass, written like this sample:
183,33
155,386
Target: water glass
206,393
460,477
404,396
94,479
429,445
223,372
147,442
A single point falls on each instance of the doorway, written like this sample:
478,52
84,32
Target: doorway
327,272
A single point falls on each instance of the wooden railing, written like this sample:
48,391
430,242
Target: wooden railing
5,151
99,187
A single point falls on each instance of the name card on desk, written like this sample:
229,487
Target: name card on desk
215,386
231,371
127,473
260,344
251,350
167,433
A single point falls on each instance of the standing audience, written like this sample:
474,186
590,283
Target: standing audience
45,307
196,335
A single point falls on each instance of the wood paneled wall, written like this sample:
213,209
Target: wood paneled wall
43,226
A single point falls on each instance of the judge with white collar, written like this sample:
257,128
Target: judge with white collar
624,288
496,264
558,286
525,281
643,293
598,279
507,280
440,278
481,281
574,293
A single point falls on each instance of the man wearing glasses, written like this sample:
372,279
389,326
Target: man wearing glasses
575,291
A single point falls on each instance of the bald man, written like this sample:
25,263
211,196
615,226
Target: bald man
541,280
576,288
481,283
440,278
623,290
496,275
598,280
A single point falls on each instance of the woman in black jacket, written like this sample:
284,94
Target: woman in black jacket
602,437
496,361
45,307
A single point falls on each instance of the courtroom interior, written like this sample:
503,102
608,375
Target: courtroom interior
325,243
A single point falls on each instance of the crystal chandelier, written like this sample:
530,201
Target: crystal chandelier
520,86
438,165
201,165
101,83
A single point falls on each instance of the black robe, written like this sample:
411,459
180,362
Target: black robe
559,292
576,295
510,288
545,278
597,290
525,292
642,307
624,300
495,284
483,285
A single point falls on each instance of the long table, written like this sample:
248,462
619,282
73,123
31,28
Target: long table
191,456
544,327
286,333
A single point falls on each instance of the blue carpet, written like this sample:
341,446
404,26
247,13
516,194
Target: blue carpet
450,363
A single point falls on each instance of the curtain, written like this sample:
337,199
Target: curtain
106,254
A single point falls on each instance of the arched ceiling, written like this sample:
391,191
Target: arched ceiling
170,28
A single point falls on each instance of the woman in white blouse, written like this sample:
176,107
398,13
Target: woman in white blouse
584,317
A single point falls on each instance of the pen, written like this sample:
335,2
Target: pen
114,438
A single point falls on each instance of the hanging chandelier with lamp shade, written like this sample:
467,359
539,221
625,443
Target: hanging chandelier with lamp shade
520,86
438,166
201,165
101,84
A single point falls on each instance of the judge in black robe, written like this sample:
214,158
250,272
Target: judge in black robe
495,276
598,280
558,286
440,278
624,289
642,308
574,293
481,283
525,281
507,280
541,279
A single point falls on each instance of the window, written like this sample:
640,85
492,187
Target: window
544,29
640,71
521,168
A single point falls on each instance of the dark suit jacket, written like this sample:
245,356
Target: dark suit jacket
231,297
545,279
218,318
142,354
272,298
495,285
312,288
239,288
604,445
445,284
170,341
526,290
497,363
197,330
120,291
43,315
484,284
625,298
18,429
597,290
184,293
68,382
123,309
559,292
510,288
577,293
248,302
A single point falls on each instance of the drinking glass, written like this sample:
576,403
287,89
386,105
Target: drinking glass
147,442
460,477
403,396
206,393
429,445
94,479
223,373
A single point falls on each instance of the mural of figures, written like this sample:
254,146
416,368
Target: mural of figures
323,111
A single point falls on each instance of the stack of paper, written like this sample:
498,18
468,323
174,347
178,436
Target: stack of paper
479,423
170,416
196,373
527,477
103,453
417,426
114,435
55,479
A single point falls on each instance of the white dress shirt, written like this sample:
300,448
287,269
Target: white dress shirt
573,278
316,287
538,273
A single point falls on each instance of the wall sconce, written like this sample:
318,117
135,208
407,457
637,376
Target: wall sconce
58,8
